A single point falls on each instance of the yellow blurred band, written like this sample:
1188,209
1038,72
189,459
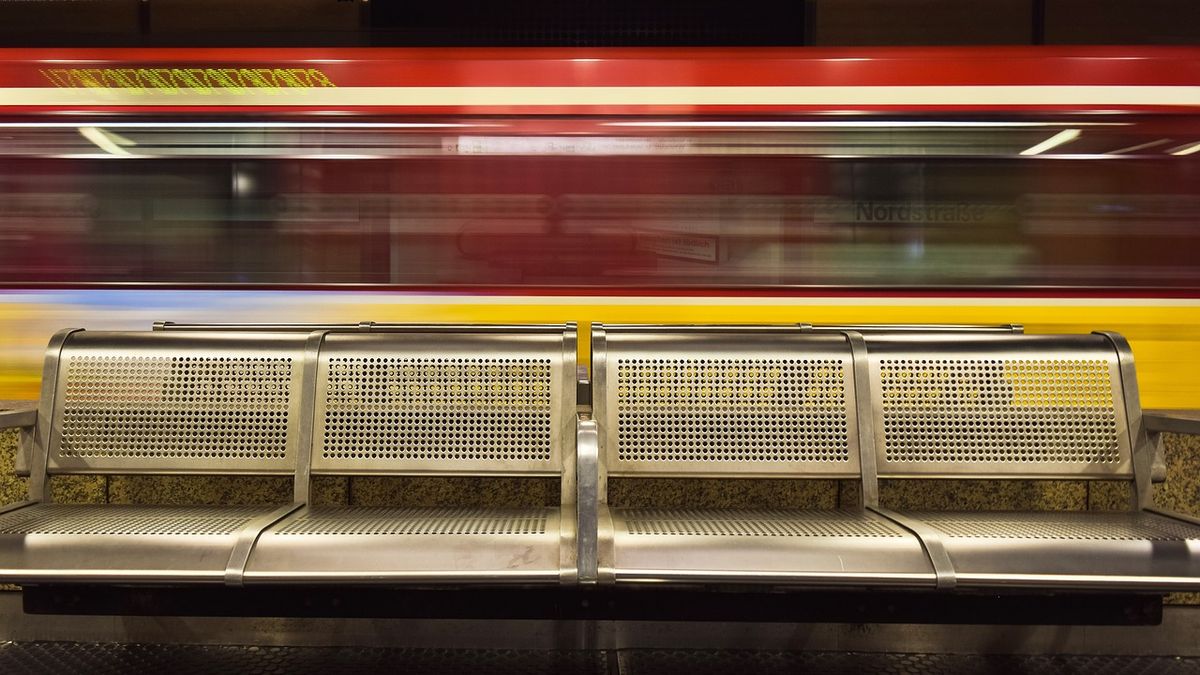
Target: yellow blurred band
1164,333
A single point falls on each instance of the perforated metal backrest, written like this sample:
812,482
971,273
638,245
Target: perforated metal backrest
177,403
477,403
999,405
735,401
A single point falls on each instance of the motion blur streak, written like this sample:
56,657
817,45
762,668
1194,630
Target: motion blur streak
1165,334
622,185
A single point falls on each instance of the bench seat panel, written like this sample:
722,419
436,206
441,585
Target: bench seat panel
427,545
781,547
1070,550
120,543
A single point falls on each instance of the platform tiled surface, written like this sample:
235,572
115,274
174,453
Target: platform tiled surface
39,658
100,659
684,662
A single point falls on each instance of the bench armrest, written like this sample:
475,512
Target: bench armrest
1172,421
14,419
587,497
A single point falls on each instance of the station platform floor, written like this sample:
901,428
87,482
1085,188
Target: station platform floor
100,644
28,658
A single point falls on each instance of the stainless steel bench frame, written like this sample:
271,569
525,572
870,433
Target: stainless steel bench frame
35,432
1144,435
592,466
587,489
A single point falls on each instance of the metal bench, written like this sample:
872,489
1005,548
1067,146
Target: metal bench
879,402
1028,407
827,402
130,403
410,401
420,400
737,402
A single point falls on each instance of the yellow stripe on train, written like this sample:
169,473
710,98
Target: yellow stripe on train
1165,334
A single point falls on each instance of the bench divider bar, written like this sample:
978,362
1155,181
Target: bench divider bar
587,507
302,483
869,478
239,557
573,491
931,541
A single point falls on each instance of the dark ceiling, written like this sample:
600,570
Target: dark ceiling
595,22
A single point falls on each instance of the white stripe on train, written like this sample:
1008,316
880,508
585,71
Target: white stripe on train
487,97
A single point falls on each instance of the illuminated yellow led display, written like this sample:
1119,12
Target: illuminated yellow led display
189,79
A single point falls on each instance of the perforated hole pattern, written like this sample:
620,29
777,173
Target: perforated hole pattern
112,519
1089,526
998,410
431,409
764,523
416,521
176,407
747,410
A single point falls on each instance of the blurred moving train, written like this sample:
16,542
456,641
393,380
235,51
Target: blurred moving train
1057,188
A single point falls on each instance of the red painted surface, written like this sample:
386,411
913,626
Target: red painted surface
865,67
541,257
657,67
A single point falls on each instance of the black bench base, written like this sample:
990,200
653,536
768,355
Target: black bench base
597,604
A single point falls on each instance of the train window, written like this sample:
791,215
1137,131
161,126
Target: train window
1109,201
